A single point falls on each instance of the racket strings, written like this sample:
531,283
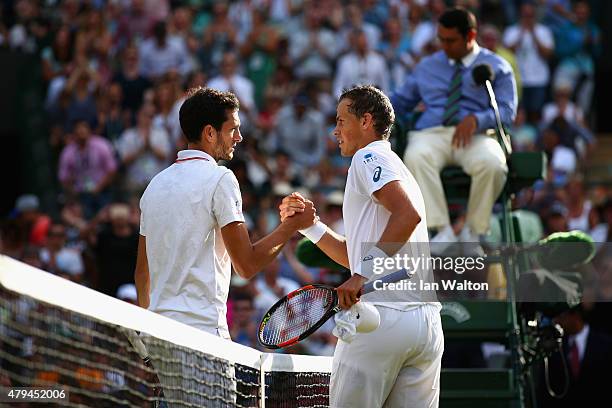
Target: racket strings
297,315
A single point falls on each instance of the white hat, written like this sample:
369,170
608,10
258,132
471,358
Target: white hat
69,261
282,188
336,197
127,291
27,202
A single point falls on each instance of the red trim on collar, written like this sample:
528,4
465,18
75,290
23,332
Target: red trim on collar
190,158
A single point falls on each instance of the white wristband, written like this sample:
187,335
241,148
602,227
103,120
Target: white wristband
315,232
368,266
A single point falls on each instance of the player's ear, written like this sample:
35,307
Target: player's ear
209,133
366,120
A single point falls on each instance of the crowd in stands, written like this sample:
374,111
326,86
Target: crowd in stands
115,75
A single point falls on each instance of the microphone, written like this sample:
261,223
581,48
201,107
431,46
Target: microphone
483,75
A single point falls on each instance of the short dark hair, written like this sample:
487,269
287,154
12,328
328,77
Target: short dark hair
461,19
369,99
205,106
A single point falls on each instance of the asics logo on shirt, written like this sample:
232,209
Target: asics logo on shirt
377,172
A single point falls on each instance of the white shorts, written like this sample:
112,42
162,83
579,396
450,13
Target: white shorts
396,365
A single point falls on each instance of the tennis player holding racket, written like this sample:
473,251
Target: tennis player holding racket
398,364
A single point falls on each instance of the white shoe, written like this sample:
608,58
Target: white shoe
466,235
443,241
471,242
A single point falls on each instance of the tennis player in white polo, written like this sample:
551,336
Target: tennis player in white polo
192,229
398,364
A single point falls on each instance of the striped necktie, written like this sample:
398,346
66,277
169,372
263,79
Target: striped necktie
451,111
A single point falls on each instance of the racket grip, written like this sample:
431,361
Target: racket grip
391,278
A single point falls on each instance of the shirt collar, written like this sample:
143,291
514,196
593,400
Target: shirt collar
469,58
191,154
382,142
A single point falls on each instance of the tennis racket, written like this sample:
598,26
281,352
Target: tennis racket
142,351
301,312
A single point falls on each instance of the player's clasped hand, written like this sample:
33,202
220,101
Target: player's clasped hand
296,209
348,292
291,205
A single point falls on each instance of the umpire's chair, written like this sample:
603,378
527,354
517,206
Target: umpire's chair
472,322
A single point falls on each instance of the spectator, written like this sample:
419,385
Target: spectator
292,268
555,219
160,54
82,86
424,40
114,245
395,47
562,105
588,355
524,134
52,254
299,131
93,43
167,104
132,83
244,328
283,86
533,44
134,25
560,153
231,80
578,205
57,56
258,51
271,287
74,220
557,13
452,128
283,170
69,265
355,22
490,39
87,167
219,37
579,46
361,67
30,221
112,119
312,47
144,150
180,25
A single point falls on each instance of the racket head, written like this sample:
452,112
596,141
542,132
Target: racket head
297,315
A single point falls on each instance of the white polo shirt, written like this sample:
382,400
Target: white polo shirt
372,167
183,209
533,67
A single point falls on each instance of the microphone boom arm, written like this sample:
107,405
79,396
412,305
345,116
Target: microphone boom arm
505,140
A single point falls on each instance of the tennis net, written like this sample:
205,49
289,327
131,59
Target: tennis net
57,334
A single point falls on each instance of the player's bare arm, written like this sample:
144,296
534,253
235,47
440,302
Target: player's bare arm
248,258
332,244
141,274
402,222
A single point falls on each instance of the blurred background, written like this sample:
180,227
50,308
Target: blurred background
113,73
